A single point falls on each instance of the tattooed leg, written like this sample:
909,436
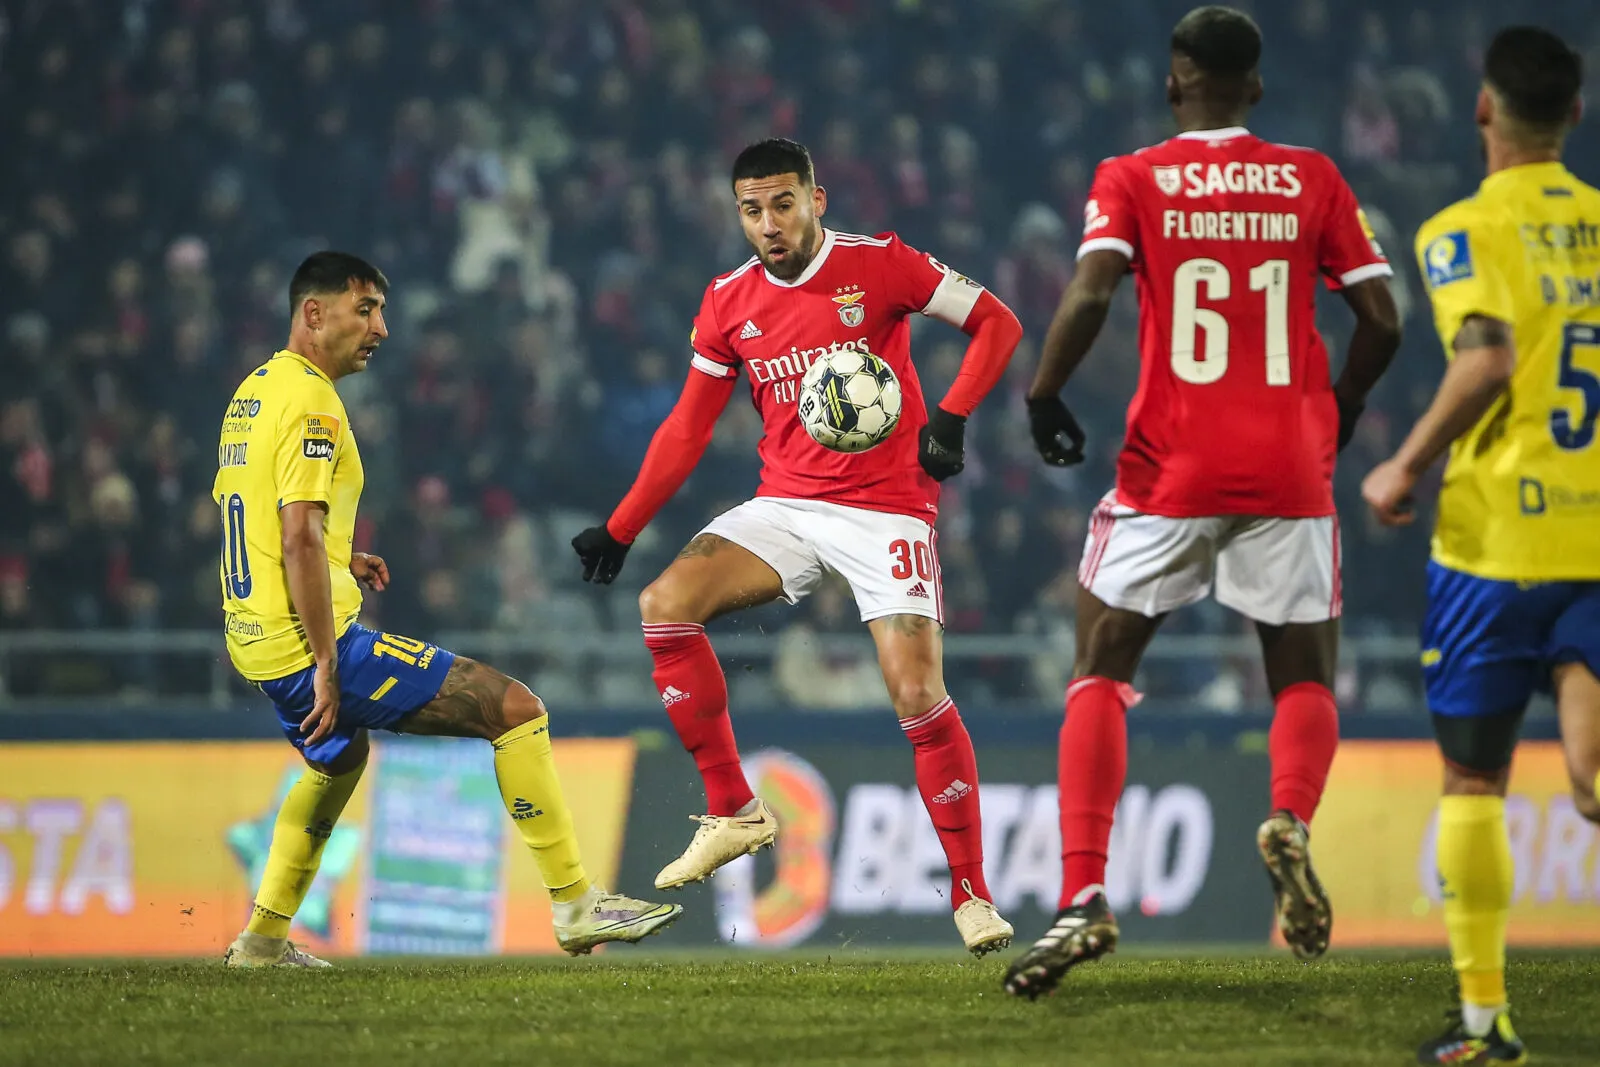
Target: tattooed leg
703,545
475,701
911,655
478,701
911,652
711,576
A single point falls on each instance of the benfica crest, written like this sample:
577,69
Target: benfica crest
851,313
1168,179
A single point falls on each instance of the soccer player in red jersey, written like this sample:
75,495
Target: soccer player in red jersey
1226,472
867,516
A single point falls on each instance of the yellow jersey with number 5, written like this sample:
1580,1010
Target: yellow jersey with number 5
1521,495
285,438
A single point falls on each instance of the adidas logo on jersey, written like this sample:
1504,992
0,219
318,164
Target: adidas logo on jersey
952,792
672,694
750,330
918,590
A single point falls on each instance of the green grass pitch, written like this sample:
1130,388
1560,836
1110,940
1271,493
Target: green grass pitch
849,1007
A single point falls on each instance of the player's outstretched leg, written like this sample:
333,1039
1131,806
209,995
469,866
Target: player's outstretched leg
1301,743
1300,660
695,694
1475,874
305,821
711,576
910,654
1092,765
1473,853
478,701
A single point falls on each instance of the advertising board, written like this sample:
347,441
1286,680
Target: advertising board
858,861
154,848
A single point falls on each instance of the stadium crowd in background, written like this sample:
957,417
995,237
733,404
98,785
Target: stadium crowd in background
546,185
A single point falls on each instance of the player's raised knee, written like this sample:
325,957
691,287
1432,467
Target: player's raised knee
521,706
668,600
913,697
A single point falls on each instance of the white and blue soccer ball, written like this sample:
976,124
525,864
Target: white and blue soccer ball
849,400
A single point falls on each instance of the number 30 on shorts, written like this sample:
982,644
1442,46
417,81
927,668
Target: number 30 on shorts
908,555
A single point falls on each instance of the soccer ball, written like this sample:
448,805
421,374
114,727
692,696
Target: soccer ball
849,400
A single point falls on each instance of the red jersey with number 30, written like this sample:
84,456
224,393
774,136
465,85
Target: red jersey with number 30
1227,236
857,293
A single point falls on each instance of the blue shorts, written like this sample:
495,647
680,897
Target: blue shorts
382,679
1488,645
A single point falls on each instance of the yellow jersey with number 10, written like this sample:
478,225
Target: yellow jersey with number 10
285,438
1521,495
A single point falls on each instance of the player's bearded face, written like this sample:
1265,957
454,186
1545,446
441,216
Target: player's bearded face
353,327
781,219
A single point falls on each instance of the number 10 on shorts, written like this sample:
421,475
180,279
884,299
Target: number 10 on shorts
407,650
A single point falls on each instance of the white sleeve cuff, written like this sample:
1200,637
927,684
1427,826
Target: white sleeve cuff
953,300
712,367
1361,274
1105,244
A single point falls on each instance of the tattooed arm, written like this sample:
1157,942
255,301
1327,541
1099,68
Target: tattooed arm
1485,358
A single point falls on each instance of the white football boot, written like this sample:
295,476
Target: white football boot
598,917
982,928
253,950
721,839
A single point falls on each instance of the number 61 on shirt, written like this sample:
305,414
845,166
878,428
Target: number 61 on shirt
1270,278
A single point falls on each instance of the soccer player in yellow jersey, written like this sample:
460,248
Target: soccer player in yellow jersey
1514,583
288,481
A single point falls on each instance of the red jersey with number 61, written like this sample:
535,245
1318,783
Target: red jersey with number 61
859,292
1228,236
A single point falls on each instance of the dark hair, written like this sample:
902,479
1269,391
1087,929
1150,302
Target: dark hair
1535,74
332,272
774,156
1220,40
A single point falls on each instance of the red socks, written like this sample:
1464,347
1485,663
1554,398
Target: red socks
695,693
1303,740
947,778
1092,764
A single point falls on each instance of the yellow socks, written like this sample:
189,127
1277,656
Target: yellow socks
268,923
1475,874
526,770
305,820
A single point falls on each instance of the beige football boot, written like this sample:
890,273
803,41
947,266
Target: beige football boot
253,950
720,839
600,918
982,929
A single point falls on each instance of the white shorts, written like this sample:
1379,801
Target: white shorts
1274,571
891,561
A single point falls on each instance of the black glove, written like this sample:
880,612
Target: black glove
1056,434
1349,412
602,554
943,451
